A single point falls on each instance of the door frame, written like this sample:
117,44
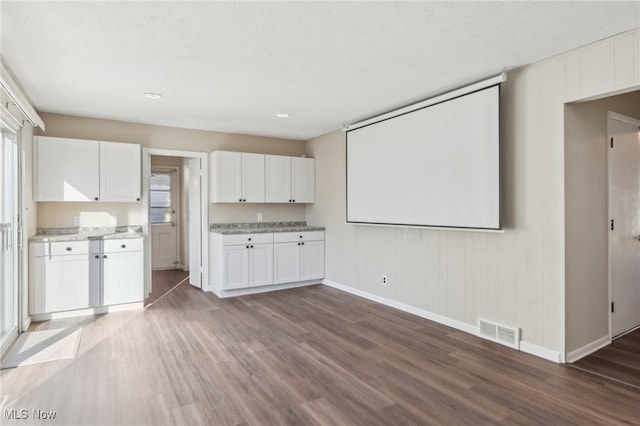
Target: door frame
635,122
8,122
204,209
177,189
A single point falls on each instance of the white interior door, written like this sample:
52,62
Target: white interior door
624,210
8,237
163,217
195,223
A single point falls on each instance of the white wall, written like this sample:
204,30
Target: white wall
517,277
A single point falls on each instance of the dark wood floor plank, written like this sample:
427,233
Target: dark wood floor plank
620,360
306,356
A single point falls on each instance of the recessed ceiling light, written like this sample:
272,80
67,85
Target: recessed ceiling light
282,115
152,95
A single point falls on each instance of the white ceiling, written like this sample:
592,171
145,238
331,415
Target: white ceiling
231,66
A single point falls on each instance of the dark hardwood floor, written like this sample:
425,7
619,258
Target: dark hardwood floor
304,356
163,281
619,361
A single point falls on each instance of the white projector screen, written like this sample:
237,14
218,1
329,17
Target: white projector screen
438,166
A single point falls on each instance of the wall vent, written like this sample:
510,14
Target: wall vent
500,333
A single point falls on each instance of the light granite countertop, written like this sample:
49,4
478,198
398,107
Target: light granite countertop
45,235
262,227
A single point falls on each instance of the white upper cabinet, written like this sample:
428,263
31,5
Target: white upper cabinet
303,180
119,171
290,179
253,178
67,169
237,177
85,170
278,177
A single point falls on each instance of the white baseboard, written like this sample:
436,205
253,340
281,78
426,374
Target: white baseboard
541,352
589,348
458,325
529,348
265,289
85,312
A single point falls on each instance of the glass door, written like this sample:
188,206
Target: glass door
8,235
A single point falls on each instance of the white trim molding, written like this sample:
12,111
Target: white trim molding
541,352
527,347
440,319
11,88
26,323
589,348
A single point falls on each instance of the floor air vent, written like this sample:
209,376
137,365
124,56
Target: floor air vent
500,333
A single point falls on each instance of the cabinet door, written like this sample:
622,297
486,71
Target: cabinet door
278,179
122,277
312,260
261,264
226,185
236,267
253,178
303,180
67,169
286,262
119,172
65,284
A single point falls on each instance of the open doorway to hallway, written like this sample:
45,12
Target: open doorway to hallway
176,221
168,218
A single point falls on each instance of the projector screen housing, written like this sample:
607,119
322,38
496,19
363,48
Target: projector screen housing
435,166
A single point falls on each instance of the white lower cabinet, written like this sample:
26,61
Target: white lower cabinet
60,274
73,275
298,256
252,260
122,278
236,267
286,262
121,271
246,260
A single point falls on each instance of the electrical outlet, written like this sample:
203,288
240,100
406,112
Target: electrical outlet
384,280
76,221
259,217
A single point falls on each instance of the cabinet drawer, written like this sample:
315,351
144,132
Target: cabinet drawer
124,245
68,247
232,240
287,237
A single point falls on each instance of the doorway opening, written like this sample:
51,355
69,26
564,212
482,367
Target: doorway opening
174,203
602,224
623,176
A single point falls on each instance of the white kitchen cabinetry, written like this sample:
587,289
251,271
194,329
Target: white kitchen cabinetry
74,275
66,169
119,172
122,279
250,260
61,277
289,179
237,177
86,170
298,256
244,260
